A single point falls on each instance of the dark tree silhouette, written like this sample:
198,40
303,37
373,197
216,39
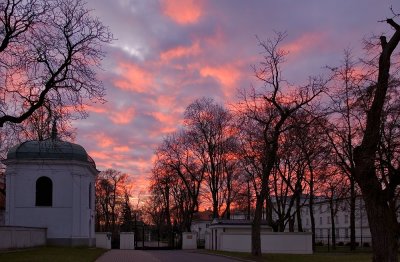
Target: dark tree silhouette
378,196
180,173
48,54
208,126
345,130
270,110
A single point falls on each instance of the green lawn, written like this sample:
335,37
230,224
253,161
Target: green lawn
52,254
317,257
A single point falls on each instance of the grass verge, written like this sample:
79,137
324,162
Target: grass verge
51,254
316,257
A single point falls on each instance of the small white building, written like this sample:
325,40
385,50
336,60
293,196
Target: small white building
50,184
235,235
200,227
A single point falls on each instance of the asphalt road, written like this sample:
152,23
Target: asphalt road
116,255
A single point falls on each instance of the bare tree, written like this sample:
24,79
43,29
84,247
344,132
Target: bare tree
110,196
48,54
335,190
314,152
208,124
185,172
346,127
285,184
127,221
232,175
272,110
379,196
163,179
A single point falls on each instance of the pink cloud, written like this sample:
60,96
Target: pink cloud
122,117
96,108
168,113
99,155
165,101
169,123
227,75
180,51
133,78
103,140
121,148
183,12
303,43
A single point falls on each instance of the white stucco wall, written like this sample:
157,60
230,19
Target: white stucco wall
21,237
69,217
238,239
285,243
189,240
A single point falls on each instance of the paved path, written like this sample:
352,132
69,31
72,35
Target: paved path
116,255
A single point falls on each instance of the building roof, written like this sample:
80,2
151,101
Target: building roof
51,149
236,222
205,215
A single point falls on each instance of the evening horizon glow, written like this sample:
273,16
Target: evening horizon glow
168,53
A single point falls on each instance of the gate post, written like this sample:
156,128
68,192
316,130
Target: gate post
103,240
127,240
189,240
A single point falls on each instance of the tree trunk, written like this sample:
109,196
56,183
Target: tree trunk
298,207
215,208
228,210
248,200
256,226
311,204
268,211
333,226
352,214
291,224
383,225
167,216
311,209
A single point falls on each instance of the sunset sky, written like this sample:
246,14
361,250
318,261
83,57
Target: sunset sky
169,52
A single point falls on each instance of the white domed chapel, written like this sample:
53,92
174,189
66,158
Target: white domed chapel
50,184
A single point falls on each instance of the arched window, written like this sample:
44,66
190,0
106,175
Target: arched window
44,191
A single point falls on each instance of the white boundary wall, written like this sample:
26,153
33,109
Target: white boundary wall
21,237
103,240
271,242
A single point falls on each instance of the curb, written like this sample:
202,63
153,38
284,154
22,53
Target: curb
220,255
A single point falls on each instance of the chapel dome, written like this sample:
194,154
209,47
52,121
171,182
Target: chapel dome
50,149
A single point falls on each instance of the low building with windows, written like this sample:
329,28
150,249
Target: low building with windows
341,219
50,184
